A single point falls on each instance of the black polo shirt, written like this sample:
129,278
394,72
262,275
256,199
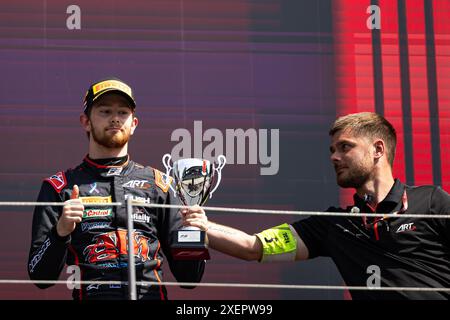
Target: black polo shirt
408,252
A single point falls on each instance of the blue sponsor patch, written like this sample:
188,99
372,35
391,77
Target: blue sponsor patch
113,265
86,226
115,286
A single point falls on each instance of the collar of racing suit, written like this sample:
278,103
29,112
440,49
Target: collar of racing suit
103,170
116,161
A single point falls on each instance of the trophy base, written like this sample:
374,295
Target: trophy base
190,245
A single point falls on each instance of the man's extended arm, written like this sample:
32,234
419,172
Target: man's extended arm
262,247
233,242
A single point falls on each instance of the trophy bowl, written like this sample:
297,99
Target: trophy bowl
195,182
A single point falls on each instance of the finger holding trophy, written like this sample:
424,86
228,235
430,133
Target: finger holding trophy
196,180
195,216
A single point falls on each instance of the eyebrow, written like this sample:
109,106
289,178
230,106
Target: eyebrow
341,142
345,141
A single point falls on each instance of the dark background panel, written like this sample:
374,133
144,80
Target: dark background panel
256,65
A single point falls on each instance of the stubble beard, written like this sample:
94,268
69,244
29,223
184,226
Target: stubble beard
112,141
355,176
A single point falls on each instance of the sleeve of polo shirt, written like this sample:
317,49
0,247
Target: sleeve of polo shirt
314,233
440,204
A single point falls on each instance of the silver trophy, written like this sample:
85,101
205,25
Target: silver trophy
194,179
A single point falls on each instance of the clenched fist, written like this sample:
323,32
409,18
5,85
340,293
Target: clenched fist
71,215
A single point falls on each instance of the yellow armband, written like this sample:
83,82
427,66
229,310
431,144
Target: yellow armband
279,244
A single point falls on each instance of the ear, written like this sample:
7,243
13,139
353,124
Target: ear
379,148
85,122
134,124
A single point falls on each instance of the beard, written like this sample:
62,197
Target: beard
354,176
112,140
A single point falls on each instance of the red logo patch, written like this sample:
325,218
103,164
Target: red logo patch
58,181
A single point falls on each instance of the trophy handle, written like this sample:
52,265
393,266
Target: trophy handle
166,162
222,161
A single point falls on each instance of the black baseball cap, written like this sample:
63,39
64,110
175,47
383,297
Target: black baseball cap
97,89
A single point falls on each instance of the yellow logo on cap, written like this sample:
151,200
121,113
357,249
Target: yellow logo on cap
111,84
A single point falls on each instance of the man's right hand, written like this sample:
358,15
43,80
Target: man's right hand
71,215
195,216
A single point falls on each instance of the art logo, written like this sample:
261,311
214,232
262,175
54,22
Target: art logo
406,227
137,184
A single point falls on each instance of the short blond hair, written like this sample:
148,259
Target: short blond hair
369,124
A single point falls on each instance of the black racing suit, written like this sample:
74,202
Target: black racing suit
98,245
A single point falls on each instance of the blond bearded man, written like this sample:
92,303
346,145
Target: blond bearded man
95,238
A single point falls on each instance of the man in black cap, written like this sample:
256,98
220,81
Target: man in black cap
94,238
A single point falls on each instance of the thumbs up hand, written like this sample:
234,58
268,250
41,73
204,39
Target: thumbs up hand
71,215
75,192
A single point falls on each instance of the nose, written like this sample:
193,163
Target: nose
334,157
115,117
